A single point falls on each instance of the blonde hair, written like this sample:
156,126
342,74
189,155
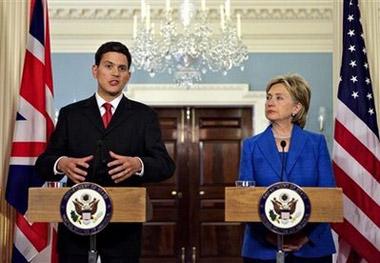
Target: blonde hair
300,92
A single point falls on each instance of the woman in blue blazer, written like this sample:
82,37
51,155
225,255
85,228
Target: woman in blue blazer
306,163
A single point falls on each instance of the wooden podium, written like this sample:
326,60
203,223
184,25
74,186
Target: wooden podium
129,204
242,204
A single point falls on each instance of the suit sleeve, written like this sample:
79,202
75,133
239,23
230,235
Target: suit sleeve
55,149
158,165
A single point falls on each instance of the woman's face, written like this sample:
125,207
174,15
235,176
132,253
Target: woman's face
280,105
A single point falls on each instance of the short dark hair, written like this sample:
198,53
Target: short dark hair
112,47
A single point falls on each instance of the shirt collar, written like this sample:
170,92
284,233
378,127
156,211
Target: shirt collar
115,102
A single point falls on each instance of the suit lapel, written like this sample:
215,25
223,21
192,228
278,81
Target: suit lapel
91,111
297,144
266,145
123,111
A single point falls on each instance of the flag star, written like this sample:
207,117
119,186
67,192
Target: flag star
367,80
352,48
366,65
355,94
351,3
369,96
353,63
351,32
362,35
350,17
364,51
340,78
371,111
354,79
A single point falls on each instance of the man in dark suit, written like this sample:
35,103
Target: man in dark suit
110,140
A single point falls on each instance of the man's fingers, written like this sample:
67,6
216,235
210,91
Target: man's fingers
114,155
87,158
119,177
79,171
117,169
114,163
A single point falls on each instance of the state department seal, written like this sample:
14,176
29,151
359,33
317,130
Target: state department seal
284,208
86,209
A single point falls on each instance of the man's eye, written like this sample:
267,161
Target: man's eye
109,66
123,68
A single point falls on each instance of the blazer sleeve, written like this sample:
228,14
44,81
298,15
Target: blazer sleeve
246,163
246,173
158,165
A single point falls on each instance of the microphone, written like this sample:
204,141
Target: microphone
283,145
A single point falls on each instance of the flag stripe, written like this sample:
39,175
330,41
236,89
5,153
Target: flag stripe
349,233
362,132
362,223
27,149
35,48
355,172
25,251
28,161
33,73
357,150
358,195
34,235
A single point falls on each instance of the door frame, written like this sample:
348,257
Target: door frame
203,95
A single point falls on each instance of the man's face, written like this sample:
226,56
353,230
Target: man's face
112,74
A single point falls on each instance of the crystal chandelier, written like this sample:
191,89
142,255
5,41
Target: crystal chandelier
187,49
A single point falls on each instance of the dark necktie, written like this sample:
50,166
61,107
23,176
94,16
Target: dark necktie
107,115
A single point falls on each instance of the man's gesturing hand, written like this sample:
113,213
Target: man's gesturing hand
123,167
75,168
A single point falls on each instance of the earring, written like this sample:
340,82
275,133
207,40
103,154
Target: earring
293,115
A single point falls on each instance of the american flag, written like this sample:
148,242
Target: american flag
356,154
34,124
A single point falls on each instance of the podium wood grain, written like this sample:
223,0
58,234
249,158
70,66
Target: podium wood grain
130,204
242,204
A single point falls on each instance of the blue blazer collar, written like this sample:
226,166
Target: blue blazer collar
267,146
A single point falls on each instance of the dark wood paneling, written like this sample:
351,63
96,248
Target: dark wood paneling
188,219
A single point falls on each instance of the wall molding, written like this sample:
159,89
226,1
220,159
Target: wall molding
269,13
267,25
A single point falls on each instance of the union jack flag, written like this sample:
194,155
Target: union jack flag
34,124
356,154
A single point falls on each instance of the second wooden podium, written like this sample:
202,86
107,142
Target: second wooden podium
242,204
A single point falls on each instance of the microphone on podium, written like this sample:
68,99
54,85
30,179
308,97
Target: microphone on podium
283,145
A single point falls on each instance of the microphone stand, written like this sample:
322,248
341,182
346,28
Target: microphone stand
280,255
92,253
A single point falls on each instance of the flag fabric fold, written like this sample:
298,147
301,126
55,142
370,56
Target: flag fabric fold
356,151
34,124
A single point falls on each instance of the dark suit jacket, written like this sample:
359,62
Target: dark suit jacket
133,131
308,164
